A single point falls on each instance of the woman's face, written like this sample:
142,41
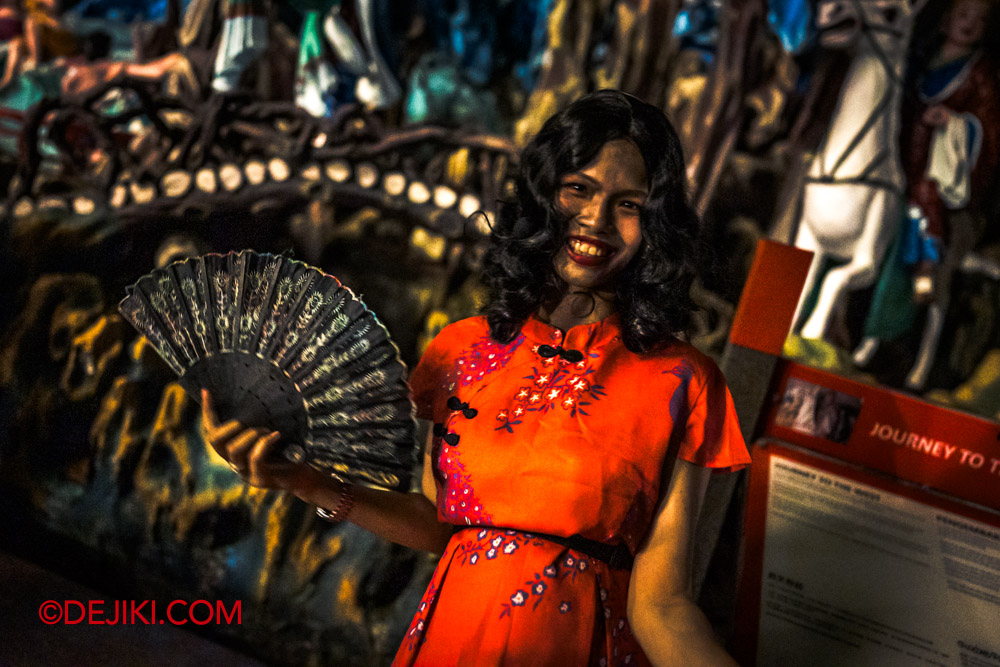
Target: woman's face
601,203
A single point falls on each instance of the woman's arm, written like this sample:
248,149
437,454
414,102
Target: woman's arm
407,518
670,627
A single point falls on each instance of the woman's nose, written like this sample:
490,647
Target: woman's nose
594,213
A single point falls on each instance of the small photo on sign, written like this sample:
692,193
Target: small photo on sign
818,411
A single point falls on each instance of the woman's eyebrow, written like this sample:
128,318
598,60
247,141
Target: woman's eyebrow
580,174
594,181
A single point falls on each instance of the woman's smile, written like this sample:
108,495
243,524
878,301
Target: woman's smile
588,251
602,203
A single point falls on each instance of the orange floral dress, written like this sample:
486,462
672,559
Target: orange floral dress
569,444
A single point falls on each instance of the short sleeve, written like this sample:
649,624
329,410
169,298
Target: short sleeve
712,437
428,379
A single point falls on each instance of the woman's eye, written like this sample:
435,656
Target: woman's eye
574,188
631,205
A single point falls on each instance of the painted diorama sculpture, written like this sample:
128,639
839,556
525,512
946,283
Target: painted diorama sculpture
951,144
893,199
851,200
381,161
359,59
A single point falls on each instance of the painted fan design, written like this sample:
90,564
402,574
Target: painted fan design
283,346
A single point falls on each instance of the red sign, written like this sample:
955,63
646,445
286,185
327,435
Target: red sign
888,431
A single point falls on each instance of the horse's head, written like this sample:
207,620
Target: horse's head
885,23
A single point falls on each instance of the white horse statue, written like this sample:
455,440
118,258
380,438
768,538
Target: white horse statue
851,203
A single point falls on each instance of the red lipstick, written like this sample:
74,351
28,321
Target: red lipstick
589,260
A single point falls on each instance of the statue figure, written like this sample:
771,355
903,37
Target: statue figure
851,200
375,87
950,143
243,41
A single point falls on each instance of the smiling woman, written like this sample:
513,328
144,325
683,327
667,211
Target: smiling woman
601,203
602,179
573,430
580,489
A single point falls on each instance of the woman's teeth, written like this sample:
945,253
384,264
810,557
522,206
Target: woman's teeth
581,248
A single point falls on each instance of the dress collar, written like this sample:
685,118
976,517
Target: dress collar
580,337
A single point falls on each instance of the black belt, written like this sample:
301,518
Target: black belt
617,556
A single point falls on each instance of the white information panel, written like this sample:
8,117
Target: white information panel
854,575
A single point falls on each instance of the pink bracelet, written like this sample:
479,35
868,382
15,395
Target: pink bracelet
343,507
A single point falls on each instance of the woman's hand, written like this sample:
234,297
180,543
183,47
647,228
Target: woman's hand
252,453
409,519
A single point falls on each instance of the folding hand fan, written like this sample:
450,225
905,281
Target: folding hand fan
283,346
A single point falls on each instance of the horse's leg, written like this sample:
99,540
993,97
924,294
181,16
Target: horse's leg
933,326
917,377
805,239
862,355
861,270
963,239
891,216
834,284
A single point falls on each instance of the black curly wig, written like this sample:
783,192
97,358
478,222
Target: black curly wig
653,293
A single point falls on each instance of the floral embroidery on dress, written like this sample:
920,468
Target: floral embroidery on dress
554,383
495,573
622,639
481,358
489,543
459,501
415,635
534,589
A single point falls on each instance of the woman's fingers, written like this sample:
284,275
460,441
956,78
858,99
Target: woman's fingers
249,451
215,432
238,449
263,467
263,448
220,436
208,416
